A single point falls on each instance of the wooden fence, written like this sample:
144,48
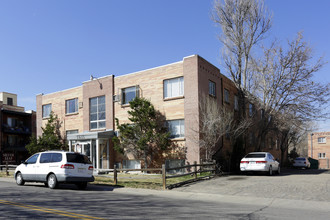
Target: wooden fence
193,170
7,167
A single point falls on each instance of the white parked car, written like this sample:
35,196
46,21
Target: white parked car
260,162
54,167
302,162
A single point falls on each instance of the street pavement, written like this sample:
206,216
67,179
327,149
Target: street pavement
295,194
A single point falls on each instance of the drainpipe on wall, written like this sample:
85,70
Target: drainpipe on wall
312,145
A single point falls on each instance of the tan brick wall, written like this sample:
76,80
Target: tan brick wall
95,88
151,87
150,83
57,99
320,148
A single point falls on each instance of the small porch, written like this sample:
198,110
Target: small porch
95,145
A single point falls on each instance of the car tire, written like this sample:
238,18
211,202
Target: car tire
19,179
270,172
52,181
82,185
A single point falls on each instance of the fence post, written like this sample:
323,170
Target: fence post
7,172
164,176
115,174
195,169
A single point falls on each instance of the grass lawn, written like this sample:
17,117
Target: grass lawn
145,181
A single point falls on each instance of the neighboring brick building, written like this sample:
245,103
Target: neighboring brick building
319,148
87,112
16,128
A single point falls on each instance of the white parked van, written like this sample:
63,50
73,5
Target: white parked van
54,167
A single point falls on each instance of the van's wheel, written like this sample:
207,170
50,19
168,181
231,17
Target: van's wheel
270,171
19,179
52,181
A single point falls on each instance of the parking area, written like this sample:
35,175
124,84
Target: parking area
298,184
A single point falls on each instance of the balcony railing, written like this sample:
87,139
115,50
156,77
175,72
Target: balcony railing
16,130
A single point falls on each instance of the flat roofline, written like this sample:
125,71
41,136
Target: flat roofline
96,78
59,91
128,74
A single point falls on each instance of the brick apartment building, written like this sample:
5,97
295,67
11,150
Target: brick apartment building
16,128
319,148
88,111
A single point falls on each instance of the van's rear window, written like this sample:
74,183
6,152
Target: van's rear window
255,156
77,158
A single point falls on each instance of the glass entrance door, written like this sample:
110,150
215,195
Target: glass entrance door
83,148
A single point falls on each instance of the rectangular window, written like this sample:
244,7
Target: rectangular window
173,88
10,101
176,128
71,132
97,112
262,113
236,103
71,106
212,88
321,155
128,94
251,110
321,140
226,96
46,110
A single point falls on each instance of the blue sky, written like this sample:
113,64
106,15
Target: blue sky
47,46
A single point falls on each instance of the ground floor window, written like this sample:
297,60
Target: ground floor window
131,164
321,155
176,128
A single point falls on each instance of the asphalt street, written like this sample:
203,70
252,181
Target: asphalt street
204,200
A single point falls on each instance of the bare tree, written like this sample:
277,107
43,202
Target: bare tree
214,123
285,89
244,23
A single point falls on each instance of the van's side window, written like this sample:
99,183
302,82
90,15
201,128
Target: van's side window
56,157
45,158
32,159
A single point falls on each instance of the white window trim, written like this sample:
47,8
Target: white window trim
212,88
324,140
46,116
168,93
76,106
122,94
181,126
97,121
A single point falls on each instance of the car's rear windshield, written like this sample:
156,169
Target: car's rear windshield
261,155
77,158
300,158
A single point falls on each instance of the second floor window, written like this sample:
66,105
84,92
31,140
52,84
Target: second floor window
226,95
128,94
97,112
236,103
71,106
173,88
321,140
251,109
212,88
46,110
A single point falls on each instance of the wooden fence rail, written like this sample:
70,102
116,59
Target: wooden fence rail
7,167
165,170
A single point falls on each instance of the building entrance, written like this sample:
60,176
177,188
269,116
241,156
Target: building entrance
95,145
